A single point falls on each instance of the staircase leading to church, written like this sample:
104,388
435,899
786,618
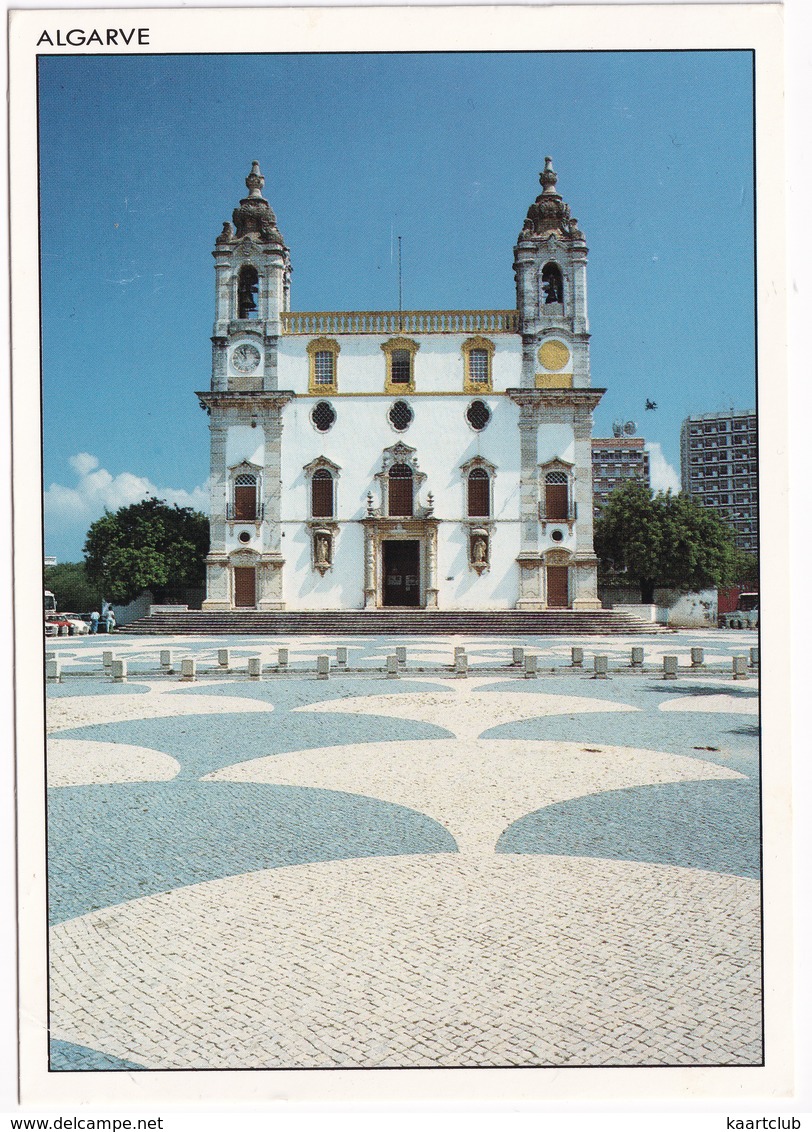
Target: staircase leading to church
511,622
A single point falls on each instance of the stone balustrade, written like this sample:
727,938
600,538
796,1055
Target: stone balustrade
400,322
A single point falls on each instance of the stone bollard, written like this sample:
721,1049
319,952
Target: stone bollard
53,671
697,658
254,667
637,656
460,664
119,671
107,658
531,666
739,667
166,660
322,667
577,658
341,656
50,656
400,653
669,668
224,658
392,668
282,658
188,668
601,667
754,658
518,657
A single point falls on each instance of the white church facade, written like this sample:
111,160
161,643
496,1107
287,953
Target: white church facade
401,459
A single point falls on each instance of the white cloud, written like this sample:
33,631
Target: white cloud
69,510
663,475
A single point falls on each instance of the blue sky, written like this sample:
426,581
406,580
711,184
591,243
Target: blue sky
143,158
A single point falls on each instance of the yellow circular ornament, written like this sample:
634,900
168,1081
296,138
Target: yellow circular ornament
554,355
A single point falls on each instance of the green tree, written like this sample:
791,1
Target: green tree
73,590
148,545
662,540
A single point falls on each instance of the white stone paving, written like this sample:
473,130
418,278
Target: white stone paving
81,762
476,789
466,713
82,711
421,961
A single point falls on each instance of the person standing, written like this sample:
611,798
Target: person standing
94,621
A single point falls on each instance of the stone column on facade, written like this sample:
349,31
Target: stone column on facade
530,592
582,472
219,364
585,569
270,589
272,303
432,588
528,378
217,589
524,265
222,289
270,374
369,565
579,309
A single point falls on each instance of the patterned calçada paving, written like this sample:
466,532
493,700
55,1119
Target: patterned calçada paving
427,871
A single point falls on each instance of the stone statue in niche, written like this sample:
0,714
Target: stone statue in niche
479,551
322,551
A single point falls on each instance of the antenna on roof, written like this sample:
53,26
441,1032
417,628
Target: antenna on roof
400,284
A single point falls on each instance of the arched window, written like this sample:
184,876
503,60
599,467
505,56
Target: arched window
321,495
245,497
401,490
552,285
247,291
556,496
479,494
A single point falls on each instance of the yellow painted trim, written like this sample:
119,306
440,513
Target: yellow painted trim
554,354
389,348
477,343
554,381
327,346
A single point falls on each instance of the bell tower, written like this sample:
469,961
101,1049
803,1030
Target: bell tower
252,289
550,268
245,404
557,564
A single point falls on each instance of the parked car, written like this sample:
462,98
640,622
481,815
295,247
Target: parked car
51,629
78,626
744,616
63,626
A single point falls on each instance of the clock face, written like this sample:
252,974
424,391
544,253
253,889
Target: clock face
245,358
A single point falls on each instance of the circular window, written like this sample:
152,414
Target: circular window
557,536
400,416
323,416
245,536
478,415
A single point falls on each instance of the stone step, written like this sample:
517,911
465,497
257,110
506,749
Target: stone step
381,623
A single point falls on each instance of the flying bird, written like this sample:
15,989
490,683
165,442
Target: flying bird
650,404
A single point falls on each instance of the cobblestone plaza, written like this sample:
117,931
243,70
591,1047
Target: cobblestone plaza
436,870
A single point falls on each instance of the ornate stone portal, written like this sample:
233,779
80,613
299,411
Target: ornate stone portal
377,531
